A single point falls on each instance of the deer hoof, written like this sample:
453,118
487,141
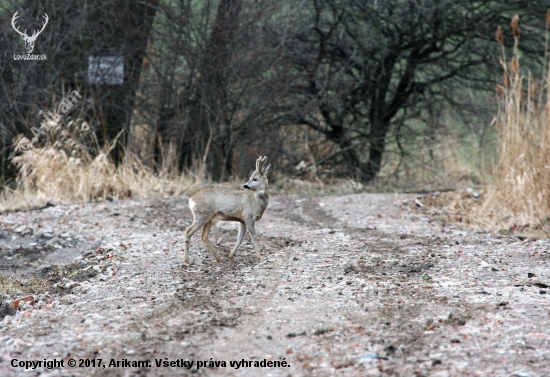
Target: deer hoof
188,261
260,258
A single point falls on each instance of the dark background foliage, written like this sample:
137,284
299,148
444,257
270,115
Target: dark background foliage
336,85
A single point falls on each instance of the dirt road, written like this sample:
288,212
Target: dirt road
357,285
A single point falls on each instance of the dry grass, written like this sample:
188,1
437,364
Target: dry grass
453,206
63,170
520,193
10,285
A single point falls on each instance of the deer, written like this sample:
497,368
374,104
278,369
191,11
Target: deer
211,205
29,39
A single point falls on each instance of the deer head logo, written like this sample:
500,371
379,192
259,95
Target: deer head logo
29,40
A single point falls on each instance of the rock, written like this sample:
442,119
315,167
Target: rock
321,331
70,284
531,282
15,304
52,203
374,372
43,298
107,247
52,241
338,364
471,192
531,275
24,306
20,229
293,335
6,311
110,271
16,346
350,269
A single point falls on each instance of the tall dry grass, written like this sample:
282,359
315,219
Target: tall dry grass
520,193
64,168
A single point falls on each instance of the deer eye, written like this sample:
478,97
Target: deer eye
254,179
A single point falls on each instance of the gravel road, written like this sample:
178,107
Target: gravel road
355,285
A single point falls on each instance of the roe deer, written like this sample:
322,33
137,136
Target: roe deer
218,204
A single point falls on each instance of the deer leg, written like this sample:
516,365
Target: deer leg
252,231
242,230
188,233
204,237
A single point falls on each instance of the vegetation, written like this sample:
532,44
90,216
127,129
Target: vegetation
65,171
397,93
519,197
10,285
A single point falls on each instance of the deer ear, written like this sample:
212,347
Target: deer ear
266,170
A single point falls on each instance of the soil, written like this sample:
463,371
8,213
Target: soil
355,285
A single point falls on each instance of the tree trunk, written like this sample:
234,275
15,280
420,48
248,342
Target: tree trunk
132,23
377,146
360,170
207,113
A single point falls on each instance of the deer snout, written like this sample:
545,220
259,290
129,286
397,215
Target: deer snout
247,187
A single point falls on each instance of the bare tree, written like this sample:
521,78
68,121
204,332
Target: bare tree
76,31
207,74
363,67
213,81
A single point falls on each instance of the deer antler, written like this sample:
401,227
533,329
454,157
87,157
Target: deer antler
15,16
260,164
36,34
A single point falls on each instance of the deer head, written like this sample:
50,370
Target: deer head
29,40
258,179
